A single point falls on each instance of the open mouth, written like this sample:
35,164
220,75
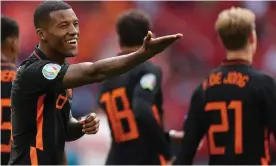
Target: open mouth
72,42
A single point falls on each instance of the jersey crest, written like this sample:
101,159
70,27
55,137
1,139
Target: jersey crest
148,81
50,71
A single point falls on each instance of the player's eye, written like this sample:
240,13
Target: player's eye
76,24
63,26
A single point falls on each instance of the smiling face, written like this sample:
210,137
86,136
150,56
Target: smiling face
61,33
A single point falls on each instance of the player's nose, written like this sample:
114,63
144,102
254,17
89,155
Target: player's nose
72,30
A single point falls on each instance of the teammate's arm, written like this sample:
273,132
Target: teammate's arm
87,73
143,100
270,104
76,129
194,129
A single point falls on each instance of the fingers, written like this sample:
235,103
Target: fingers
175,36
166,40
148,37
91,124
153,46
179,35
92,130
169,37
157,45
90,118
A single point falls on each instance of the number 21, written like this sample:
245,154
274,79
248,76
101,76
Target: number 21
224,126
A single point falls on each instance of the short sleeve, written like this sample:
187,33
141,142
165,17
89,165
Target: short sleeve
149,83
268,96
45,76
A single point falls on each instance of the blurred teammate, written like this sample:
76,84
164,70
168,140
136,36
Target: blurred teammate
41,92
133,102
235,105
9,53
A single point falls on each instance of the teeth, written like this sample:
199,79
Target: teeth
73,41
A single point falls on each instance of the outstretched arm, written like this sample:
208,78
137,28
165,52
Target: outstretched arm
87,73
52,76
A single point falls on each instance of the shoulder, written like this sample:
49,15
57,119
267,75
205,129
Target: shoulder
148,68
266,80
149,76
260,79
256,73
46,68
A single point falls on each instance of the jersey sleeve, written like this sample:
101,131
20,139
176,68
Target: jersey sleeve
269,98
43,76
194,128
143,100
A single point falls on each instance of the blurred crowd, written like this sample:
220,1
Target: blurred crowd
184,64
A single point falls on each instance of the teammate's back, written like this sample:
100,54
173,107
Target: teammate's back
235,104
237,113
133,102
132,139
9,53
7,76
122,89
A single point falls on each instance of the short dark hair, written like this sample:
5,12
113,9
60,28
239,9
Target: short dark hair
234,26
43,10
132,26
9,28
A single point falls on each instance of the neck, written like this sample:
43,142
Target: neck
240,55
51,54
129,49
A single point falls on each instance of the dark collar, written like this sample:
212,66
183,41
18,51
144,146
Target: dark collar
39,54
228,62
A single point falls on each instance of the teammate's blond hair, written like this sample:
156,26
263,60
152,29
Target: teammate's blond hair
234,27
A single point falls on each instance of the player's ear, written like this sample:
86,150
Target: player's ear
251,38
41,34
15,44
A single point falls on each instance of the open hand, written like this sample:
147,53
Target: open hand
153,46
91,124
